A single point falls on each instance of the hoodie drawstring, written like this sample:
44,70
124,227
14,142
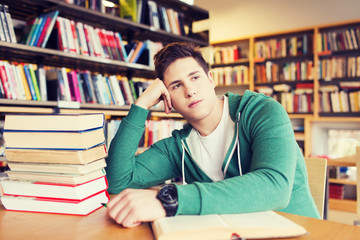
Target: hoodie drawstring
183,162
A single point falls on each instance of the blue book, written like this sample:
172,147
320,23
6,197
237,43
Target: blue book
30,82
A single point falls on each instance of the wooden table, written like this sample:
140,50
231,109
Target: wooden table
40,226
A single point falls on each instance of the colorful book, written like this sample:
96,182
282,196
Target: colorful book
32,69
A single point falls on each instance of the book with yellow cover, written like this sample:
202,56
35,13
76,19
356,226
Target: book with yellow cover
258,225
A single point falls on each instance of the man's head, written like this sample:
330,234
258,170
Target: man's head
189,82
175,51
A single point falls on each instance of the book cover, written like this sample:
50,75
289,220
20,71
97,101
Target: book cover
121,47
4,80
9,24
30,82
4,24
32,69
128,9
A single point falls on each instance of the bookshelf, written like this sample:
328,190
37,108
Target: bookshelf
298,62
24,10
332,66
347,205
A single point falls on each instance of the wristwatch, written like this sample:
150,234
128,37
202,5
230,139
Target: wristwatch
169,199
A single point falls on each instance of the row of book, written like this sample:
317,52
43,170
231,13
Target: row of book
283,47
96,5
37,30
231,75
339,40
298,100
333,99
155,130
147,12
56,163
7,33
227,54
339,67
83,39
42,83
160,17
275,72
86,87
22,81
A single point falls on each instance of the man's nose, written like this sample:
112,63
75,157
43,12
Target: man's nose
190,90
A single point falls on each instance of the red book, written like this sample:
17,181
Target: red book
43,32
56,206
54,190
4,81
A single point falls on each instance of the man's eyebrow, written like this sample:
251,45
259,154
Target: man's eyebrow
177,81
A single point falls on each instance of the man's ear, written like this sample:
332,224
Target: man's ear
210,76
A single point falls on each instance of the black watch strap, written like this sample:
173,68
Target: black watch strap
169,199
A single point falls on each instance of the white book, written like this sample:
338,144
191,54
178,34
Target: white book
84,50
11,81
69,35
61,30
259,225
116,90
66,84
19,82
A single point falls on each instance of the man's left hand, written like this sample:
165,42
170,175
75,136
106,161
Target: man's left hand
133,206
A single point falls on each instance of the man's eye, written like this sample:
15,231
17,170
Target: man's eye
195,77
176,86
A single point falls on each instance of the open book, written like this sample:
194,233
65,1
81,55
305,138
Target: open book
247,225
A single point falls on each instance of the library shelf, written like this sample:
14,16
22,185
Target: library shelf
347,205
24,10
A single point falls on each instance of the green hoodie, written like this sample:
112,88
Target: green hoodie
274,173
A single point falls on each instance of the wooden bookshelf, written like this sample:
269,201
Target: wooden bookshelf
343,204
24,10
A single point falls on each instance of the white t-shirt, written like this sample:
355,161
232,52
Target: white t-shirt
212,149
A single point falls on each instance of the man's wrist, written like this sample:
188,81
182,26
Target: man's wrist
168,197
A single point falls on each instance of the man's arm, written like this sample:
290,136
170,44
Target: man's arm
125,170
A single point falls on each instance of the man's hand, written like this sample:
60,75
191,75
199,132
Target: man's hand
133,206
156,92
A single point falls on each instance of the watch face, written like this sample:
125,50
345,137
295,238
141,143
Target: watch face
168,194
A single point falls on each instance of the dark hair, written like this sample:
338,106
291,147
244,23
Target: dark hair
174,51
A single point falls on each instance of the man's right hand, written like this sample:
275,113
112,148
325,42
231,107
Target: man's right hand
156,92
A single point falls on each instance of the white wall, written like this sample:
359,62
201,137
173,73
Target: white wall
234,19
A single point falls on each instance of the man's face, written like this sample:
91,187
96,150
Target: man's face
191,89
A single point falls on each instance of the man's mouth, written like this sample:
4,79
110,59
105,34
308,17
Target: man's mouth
194,103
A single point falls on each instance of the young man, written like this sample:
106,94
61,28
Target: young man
237,154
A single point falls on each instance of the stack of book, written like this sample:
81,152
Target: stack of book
56,163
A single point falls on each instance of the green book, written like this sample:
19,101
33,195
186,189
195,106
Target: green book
35,82
128,9
132,87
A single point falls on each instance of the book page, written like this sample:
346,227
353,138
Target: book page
263,225
191,227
